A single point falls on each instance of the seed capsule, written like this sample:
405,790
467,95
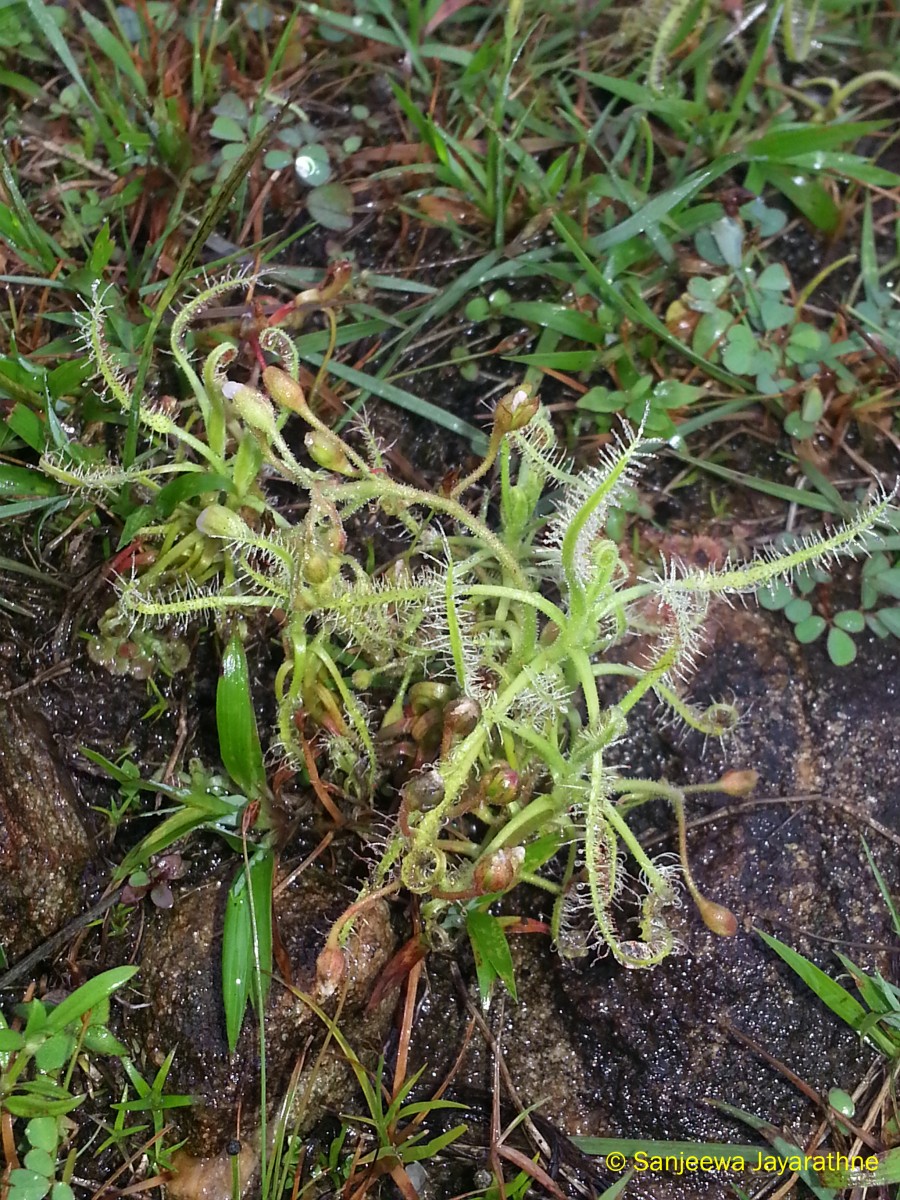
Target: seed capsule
253,408
326,450
424,791
514,411
498,872
284,390
220,522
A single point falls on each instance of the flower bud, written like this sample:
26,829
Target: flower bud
331,966
514,411
498,872
284,390
217,521
326,450
316,567
738,783
251,406
717,917
500,785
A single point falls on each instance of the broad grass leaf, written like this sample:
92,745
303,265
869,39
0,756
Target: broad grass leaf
236,722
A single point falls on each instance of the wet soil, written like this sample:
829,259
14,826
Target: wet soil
182,980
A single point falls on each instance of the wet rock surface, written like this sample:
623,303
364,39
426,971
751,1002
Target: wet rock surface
637,1054
43,844
182,981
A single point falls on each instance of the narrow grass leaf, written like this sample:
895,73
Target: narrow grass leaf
556,316
89,996
237,958
883,888
784,144
247,921
780,491
114,50
50,31
372,385
835,997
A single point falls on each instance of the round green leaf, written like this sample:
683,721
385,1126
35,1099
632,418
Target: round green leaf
277,160
51,1055
672,393
10,1039
62,1191
27,1185
710,330
842,1102
601,400
807,631
888,582
312,166
813,405
729,238
798,610
774,279
775,315
478,309
740,351
231,105
707,248
774,595
226,129
332,206
41,1162
841,647
98,1040
43,1133
850,620
796,427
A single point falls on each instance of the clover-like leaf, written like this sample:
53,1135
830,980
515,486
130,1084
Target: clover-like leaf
841,647
332,206
739,355
851,620
807,631
774,314
775,596
226,129
798,610
773,279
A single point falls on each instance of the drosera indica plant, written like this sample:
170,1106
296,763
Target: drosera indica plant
478,660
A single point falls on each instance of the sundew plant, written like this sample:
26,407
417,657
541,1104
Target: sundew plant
460,687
